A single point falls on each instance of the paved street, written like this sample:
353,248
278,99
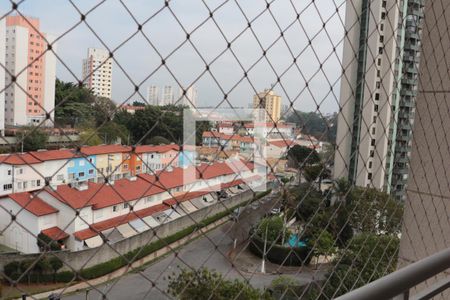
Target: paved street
201,252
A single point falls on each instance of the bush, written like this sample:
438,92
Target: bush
272,229
286,256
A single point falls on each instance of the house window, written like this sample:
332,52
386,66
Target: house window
91,171
9,172
82,162
7,186
125,167
81,174
71,175
38,182
115,208
33,183
125,205
19,185
25,184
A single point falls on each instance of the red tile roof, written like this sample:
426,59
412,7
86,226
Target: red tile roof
18,159
32,203
55,233
104,149
226,137
54,154
96,228
282,143
185,197
100,195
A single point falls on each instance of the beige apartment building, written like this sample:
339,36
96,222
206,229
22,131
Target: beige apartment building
97,72
270,102
377,96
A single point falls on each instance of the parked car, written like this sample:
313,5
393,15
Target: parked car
275,211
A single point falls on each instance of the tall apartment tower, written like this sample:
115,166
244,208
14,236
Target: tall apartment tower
32,95
2,76
190,99
270,102
97,72
167,96
153,95
378,89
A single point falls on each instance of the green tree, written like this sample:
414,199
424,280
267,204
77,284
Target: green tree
273,229
55,264
317,172
73,104
369,256
322,243
375,211
33,138
111,132
90,137
104,109
204,284
158,140
322,127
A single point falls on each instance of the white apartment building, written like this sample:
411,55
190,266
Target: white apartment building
2,77
168,96
28,100
97,72
153,95
190,98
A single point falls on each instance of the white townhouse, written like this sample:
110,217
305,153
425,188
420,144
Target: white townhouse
32,216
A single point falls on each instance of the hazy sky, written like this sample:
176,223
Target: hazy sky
138,63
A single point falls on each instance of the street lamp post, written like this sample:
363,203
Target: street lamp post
263,264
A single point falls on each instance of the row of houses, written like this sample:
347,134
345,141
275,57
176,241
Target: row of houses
267,129
86,215
213,139
24,172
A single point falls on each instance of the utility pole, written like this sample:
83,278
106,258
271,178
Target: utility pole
263,264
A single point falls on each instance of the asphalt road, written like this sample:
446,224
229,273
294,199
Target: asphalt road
209,251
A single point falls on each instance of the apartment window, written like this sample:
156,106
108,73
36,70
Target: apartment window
384,4
372,153
373,130
383,16
381,38
378,84
369,176
380,50
374,120
377,96
7,186
379,62
378,73
370,165
376,108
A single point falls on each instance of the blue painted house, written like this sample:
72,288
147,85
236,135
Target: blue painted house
82,169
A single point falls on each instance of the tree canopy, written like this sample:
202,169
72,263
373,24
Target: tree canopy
205,284
301,156
33,138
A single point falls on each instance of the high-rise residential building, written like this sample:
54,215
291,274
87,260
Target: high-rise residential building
167,96
377,96
32,94
2,77
270,102
97,72
190,99
153,95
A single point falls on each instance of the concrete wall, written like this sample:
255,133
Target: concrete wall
426,223
90,257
